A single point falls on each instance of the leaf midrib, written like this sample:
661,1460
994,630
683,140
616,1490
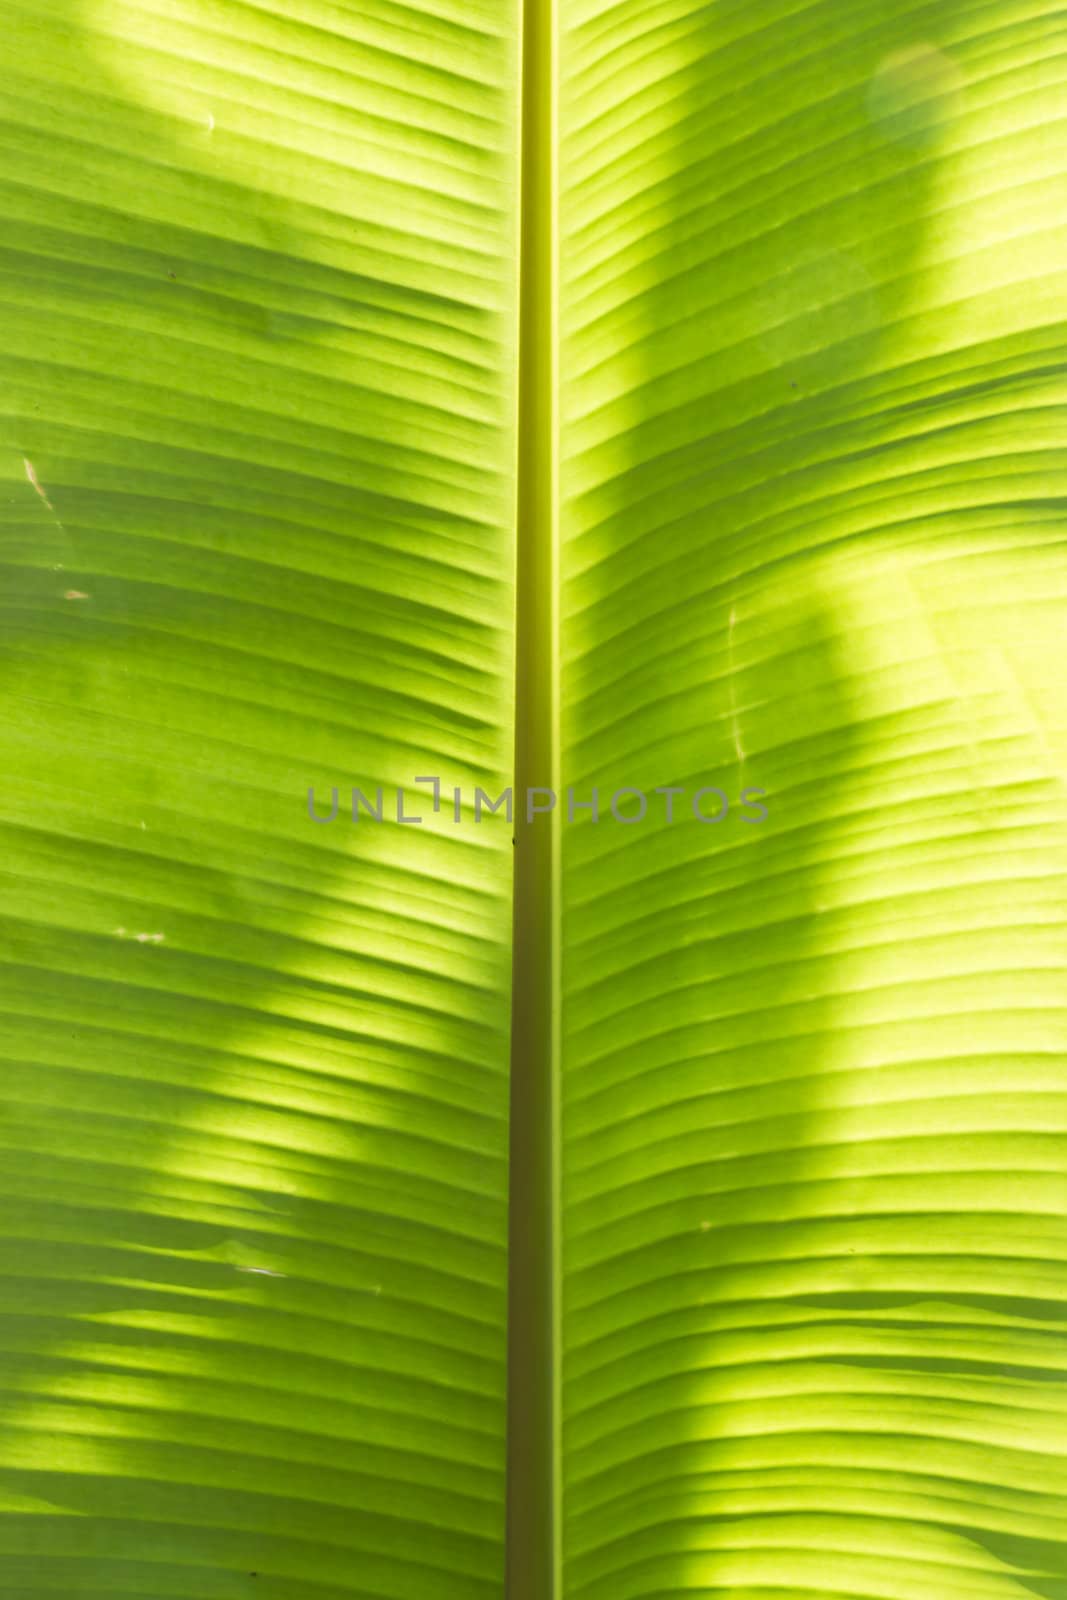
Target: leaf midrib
532,1540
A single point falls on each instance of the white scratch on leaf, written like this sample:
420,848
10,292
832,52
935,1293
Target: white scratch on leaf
42,494
35,482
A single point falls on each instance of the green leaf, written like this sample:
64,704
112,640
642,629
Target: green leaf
258,312
812,1070
632,396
